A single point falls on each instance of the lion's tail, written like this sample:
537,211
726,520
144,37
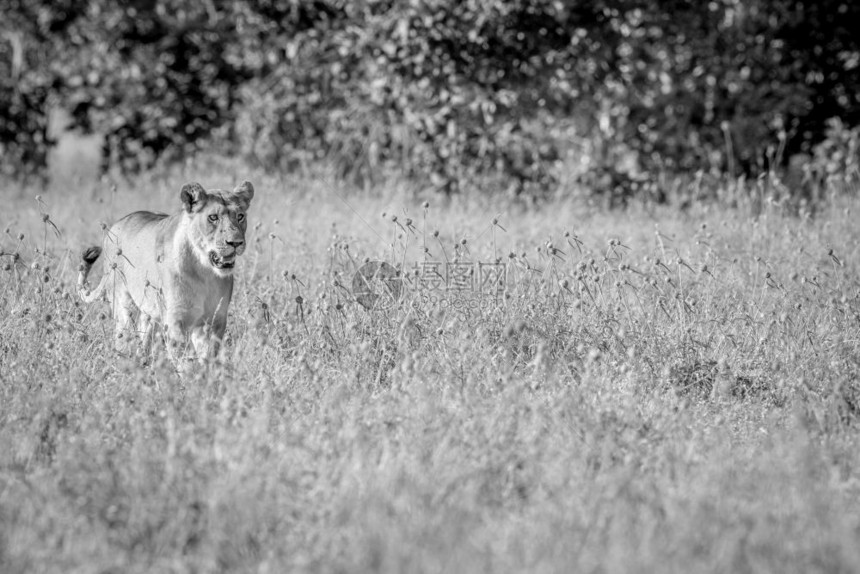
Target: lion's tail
88,257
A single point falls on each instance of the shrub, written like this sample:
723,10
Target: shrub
460,95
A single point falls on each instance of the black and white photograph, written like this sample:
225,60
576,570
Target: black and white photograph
429,286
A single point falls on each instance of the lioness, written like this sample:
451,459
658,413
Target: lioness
174,270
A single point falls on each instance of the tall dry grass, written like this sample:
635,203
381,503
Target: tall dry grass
653,391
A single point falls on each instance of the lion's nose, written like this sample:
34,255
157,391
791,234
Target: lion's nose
235,244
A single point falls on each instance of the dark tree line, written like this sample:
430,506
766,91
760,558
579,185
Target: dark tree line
447,91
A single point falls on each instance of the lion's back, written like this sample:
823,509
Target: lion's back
136,232
139,221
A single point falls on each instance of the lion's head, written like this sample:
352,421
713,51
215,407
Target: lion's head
217,221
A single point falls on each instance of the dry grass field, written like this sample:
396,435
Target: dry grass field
651,391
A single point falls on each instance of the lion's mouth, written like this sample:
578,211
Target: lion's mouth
222,262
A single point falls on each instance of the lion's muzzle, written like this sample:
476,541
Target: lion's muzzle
222,260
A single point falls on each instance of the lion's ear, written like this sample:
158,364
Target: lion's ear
192,196
244,192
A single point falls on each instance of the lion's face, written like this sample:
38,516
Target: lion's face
219,232
217,224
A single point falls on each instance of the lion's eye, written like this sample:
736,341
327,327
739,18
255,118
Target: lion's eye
241,217
213,218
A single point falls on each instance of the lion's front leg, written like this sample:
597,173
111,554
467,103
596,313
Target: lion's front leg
144,332
207,339
219,327
176,338
201,341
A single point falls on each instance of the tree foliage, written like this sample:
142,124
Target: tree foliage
446,91
34,41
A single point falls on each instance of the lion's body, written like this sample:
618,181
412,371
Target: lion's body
173,270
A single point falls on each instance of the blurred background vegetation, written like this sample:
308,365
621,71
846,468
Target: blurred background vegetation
486,95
